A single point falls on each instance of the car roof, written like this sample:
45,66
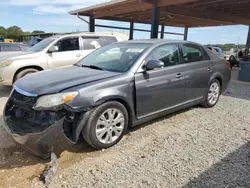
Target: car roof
82,34
13,43
158,41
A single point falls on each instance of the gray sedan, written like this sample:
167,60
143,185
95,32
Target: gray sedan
115,87
13,47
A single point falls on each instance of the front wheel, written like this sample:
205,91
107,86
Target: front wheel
24,73
106,125
213,94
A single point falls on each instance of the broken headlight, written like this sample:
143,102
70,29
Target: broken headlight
53,101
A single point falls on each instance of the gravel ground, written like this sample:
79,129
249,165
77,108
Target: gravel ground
194,148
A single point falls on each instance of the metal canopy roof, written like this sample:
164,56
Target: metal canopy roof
181,13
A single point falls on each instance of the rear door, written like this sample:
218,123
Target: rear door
69,53
198,70
160,89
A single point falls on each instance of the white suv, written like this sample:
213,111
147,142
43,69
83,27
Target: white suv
51,53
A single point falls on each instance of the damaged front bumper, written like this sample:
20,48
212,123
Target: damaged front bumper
41,132
44,143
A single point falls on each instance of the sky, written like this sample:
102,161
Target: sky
53,16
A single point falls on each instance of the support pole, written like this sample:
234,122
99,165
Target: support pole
162,31
155,20
248,42
186,33
131,31
91,24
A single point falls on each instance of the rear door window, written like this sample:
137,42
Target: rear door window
91,43
192,53
108,39
205,54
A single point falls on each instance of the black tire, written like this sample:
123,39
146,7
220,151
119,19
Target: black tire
24,73
89,130
206,103
238,64
232,61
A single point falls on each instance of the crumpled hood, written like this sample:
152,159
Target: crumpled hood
17,55
54,81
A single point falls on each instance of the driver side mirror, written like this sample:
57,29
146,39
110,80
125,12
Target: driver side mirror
53,49
154,64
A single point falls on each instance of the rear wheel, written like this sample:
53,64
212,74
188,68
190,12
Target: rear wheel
213,94
24,73
106,125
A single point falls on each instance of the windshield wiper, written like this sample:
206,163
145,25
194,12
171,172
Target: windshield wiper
93,67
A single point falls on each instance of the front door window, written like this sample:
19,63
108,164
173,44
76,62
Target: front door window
68,44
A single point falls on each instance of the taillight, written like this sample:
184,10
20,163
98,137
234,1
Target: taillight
229,65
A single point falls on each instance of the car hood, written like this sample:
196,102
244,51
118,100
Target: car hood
17,55
54,81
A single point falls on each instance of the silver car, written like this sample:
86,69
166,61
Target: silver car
12,47
51,53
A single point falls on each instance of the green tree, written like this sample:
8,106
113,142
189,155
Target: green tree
14,32
26,32
2,31
37,32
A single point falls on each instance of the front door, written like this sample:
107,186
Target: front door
68,54
158,90
199,69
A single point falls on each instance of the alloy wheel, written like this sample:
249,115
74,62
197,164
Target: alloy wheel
213,93
110,125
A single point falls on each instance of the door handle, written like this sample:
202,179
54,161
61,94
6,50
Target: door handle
209,69
179,75
78,55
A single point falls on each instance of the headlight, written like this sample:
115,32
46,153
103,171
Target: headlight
5,63
54,100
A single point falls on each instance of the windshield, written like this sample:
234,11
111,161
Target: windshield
115,57
42,45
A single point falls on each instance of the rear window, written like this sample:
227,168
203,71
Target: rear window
192,53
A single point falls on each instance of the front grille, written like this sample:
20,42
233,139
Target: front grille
23,101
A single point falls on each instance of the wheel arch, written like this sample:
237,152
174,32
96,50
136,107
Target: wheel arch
26,67
121,100
219,77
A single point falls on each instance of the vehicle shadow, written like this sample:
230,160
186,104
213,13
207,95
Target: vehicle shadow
231,171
